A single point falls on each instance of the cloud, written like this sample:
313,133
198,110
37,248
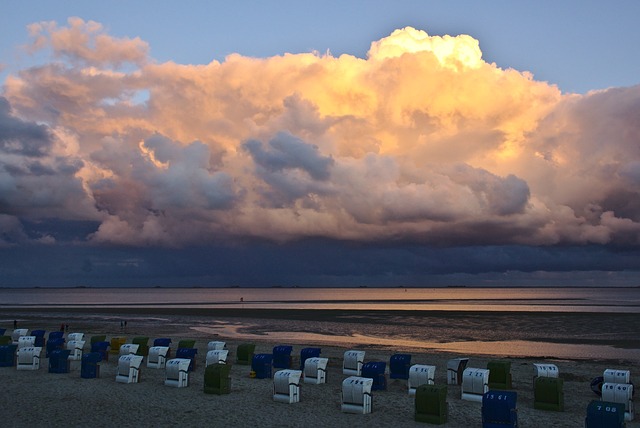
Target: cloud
421,142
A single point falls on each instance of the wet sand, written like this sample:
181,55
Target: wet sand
39,398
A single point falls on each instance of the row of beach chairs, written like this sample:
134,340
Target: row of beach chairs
491,385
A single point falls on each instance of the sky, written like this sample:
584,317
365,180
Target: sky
409,143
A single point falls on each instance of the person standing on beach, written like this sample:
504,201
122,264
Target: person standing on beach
15,324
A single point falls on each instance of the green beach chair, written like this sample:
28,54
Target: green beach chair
5,340
143,345
217,379
244,355
499,374
187,343
548,394
431,404
98,338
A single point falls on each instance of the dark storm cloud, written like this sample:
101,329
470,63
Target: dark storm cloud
19,137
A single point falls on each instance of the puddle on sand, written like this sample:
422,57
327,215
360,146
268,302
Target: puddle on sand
512,348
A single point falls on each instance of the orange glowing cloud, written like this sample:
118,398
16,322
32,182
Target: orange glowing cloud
422,140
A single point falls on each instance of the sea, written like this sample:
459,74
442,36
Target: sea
530,299
547,322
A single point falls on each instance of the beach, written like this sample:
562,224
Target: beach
39,398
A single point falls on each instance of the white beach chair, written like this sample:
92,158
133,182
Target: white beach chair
26,341
616,376
475,382
353,362
76,347
216,345
177,372
157,357
545,370
620,393
286,386
216,356
128,349
420,374
455,368
356,395
315,370
28,358
17,334
75,336
129,368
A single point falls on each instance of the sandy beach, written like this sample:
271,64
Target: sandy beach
38,398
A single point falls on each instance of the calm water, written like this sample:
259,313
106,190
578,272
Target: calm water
611,300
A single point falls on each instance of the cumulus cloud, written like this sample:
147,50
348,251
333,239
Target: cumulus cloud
422,141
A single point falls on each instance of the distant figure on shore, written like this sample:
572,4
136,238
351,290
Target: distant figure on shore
66,327
121,325
15,324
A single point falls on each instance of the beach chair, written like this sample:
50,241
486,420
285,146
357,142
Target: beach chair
75,336
190,354
143,345
53,344
261,365
499,409
282,356
129,368
352,362
545,370
356,395
420,374
17,334
164,342
286,386
59,361
620,393
116,343
455,370
76,347
28,358
26,342
217,379
2,331
102,348
431,404
56,335
603,414
399,365
216,356
177,372
315,370
308,353
89,366
157,358
616,376
97,338
40,341
244,353
187,343
548,394
475,383
216,345
376,370
5,340
128,349
499,374
8,355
